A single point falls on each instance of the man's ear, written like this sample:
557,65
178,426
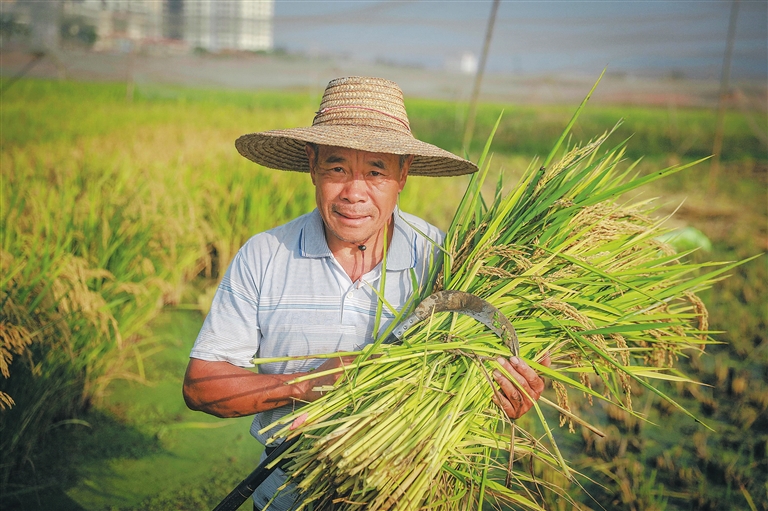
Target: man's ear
404,171
312,158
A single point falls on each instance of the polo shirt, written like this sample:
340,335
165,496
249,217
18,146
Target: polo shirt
284,294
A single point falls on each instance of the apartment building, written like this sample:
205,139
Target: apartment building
211,25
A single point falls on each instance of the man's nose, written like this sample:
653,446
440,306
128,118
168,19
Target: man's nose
355,189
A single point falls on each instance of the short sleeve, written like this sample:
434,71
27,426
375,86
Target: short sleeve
231,330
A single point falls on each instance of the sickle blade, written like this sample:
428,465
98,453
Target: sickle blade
464,303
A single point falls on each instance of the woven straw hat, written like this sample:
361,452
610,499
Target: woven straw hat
360,113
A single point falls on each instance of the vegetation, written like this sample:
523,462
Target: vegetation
413,425
114,210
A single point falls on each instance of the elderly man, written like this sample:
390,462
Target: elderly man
305,287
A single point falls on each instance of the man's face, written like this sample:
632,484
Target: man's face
356,191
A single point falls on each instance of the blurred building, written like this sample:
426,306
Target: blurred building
217,25
209,25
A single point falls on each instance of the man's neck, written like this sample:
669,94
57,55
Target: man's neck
359,258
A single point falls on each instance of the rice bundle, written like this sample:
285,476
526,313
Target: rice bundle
580,275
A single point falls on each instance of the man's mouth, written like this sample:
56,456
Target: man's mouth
352,216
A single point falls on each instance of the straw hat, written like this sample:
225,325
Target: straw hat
360,113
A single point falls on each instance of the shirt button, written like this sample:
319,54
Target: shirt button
349,295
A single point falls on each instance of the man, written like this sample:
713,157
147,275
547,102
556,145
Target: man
307,287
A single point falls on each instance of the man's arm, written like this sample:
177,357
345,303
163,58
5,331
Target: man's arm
226,390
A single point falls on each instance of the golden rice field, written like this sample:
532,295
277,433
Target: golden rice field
116,212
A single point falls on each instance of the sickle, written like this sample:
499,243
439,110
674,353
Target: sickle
464,303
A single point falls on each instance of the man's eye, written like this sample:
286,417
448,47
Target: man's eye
337,169
376,173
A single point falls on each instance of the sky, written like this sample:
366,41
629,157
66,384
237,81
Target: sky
645,37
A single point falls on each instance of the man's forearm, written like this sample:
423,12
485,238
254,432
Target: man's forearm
225,390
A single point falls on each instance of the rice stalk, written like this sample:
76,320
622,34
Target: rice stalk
577,269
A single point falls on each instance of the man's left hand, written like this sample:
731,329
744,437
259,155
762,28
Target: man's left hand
514,402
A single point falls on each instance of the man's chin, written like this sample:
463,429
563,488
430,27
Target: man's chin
354,239
354,236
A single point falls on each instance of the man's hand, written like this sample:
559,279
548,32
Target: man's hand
328,380
510,399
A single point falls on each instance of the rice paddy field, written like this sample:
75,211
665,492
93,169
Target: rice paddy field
120,212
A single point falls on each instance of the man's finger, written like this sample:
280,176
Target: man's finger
510,399
511,410
514,370
515,395
535,382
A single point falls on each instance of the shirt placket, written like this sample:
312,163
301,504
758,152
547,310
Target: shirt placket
356,290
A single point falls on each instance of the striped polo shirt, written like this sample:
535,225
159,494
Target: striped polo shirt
286,295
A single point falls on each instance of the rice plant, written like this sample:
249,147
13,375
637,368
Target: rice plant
574,261
108,212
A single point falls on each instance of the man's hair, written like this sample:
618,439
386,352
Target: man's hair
316,152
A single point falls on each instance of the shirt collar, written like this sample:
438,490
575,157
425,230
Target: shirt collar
313,242
400,256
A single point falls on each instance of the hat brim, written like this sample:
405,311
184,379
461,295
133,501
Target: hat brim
284,149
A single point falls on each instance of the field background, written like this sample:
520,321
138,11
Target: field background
121,205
